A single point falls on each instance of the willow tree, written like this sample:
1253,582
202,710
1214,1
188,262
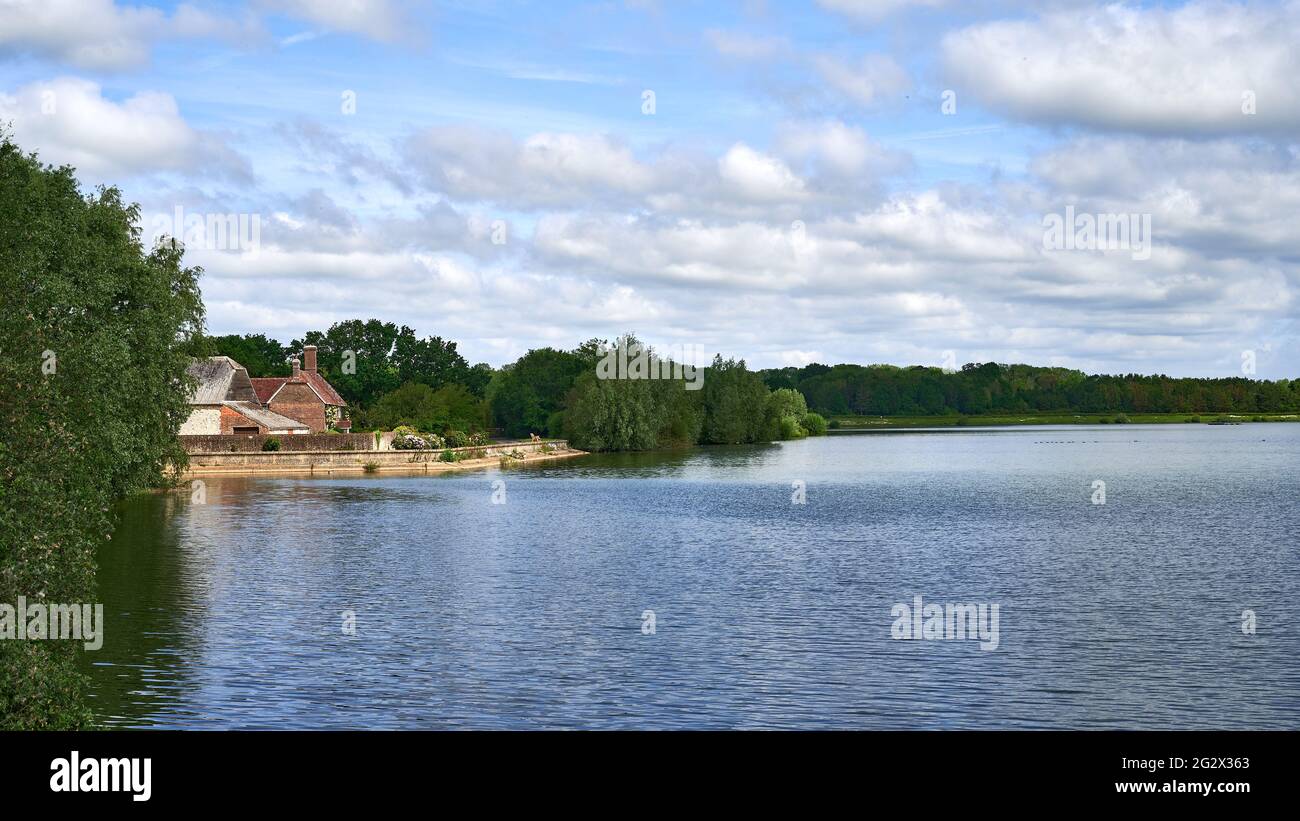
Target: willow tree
94,331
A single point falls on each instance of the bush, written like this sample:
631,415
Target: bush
788,427
271,444
457,439
814,424
835,424
783,409
478,440
448,456
406,439
1121,419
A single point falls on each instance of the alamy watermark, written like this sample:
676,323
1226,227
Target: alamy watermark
49,621
951,621
637,361
210,231
1098,232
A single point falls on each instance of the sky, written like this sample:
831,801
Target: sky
826,181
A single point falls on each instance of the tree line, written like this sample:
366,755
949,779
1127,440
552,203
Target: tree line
990,387
399,379
391,378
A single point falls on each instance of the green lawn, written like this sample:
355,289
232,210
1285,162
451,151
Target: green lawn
859,422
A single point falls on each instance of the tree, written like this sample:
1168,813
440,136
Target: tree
363,345
783,414
734,403
528,396
477,379
612,414
94,334
431,361
451,407
261,355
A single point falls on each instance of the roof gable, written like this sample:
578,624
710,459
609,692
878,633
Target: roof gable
219,379
266,386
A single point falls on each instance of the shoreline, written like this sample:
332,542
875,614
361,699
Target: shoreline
349,463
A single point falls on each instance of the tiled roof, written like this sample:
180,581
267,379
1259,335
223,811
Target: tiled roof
274,421
220,379
323,388
266,386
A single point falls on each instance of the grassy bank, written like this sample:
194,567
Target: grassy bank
986,420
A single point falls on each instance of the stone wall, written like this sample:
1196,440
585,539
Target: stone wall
249,443
326,462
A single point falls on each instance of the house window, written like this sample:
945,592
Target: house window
245,429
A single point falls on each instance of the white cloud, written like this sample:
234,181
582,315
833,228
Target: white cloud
757,176
71,122
834,148
99,34
381,20
871,79
871,11
545,168
1150,70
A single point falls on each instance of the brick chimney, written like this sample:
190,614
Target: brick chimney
309,358
296,374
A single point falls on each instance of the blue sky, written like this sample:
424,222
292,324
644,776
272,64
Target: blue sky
799,192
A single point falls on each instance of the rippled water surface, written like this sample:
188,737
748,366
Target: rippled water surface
767,613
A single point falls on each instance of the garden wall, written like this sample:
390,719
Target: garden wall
252,443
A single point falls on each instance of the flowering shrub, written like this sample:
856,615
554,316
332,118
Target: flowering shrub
478,440
409,441
406,437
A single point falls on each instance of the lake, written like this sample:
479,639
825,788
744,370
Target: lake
524,604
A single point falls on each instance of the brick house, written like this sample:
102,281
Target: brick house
306,396
227,401
224,402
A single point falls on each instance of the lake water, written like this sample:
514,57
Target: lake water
767,613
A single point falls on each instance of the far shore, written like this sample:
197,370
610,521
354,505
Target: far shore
854,423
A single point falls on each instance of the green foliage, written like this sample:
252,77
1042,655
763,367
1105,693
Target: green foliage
271,445
784,413
385,357
991,388
421,407
457,439
735,401
118,322
814,424
260,355
613,414
526,395
629,414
